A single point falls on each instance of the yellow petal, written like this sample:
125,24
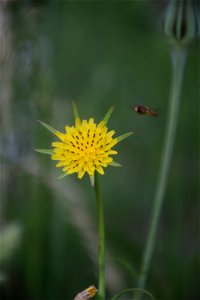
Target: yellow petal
59,145
81,174
100,170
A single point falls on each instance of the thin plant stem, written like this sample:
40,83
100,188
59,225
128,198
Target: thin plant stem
101,239
178,63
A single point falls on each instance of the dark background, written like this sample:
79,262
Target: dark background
99,54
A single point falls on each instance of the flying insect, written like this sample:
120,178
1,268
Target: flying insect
144,110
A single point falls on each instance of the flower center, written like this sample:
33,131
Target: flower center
88,153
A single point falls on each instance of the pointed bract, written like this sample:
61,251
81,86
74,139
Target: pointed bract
108,114
75,110
48,127
44,151
92,180
123,136
62,176
115,164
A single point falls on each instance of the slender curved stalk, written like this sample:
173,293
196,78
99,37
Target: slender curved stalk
101,238
118,295
178,64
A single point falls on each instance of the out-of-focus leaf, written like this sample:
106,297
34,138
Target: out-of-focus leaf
9,240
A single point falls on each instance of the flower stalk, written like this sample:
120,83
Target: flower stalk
101,239
178,63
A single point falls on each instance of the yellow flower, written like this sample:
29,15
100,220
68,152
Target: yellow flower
85,147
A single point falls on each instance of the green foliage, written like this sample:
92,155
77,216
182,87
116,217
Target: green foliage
9,241
10,238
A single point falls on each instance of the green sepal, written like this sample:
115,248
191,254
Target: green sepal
44,151
48,127
92,180
75,110
108,114
115,164
123,136
62,176
118,295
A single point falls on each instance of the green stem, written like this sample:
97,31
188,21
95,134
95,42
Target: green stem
178,64
101,237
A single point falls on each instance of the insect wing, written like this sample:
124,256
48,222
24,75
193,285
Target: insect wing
151,112
87,293
82,295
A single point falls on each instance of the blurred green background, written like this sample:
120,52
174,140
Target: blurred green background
98,53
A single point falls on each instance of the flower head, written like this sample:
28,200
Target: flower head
85,147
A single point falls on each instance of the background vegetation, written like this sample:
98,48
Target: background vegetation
98,54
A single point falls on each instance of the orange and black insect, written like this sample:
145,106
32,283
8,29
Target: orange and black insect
90,292
144,110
